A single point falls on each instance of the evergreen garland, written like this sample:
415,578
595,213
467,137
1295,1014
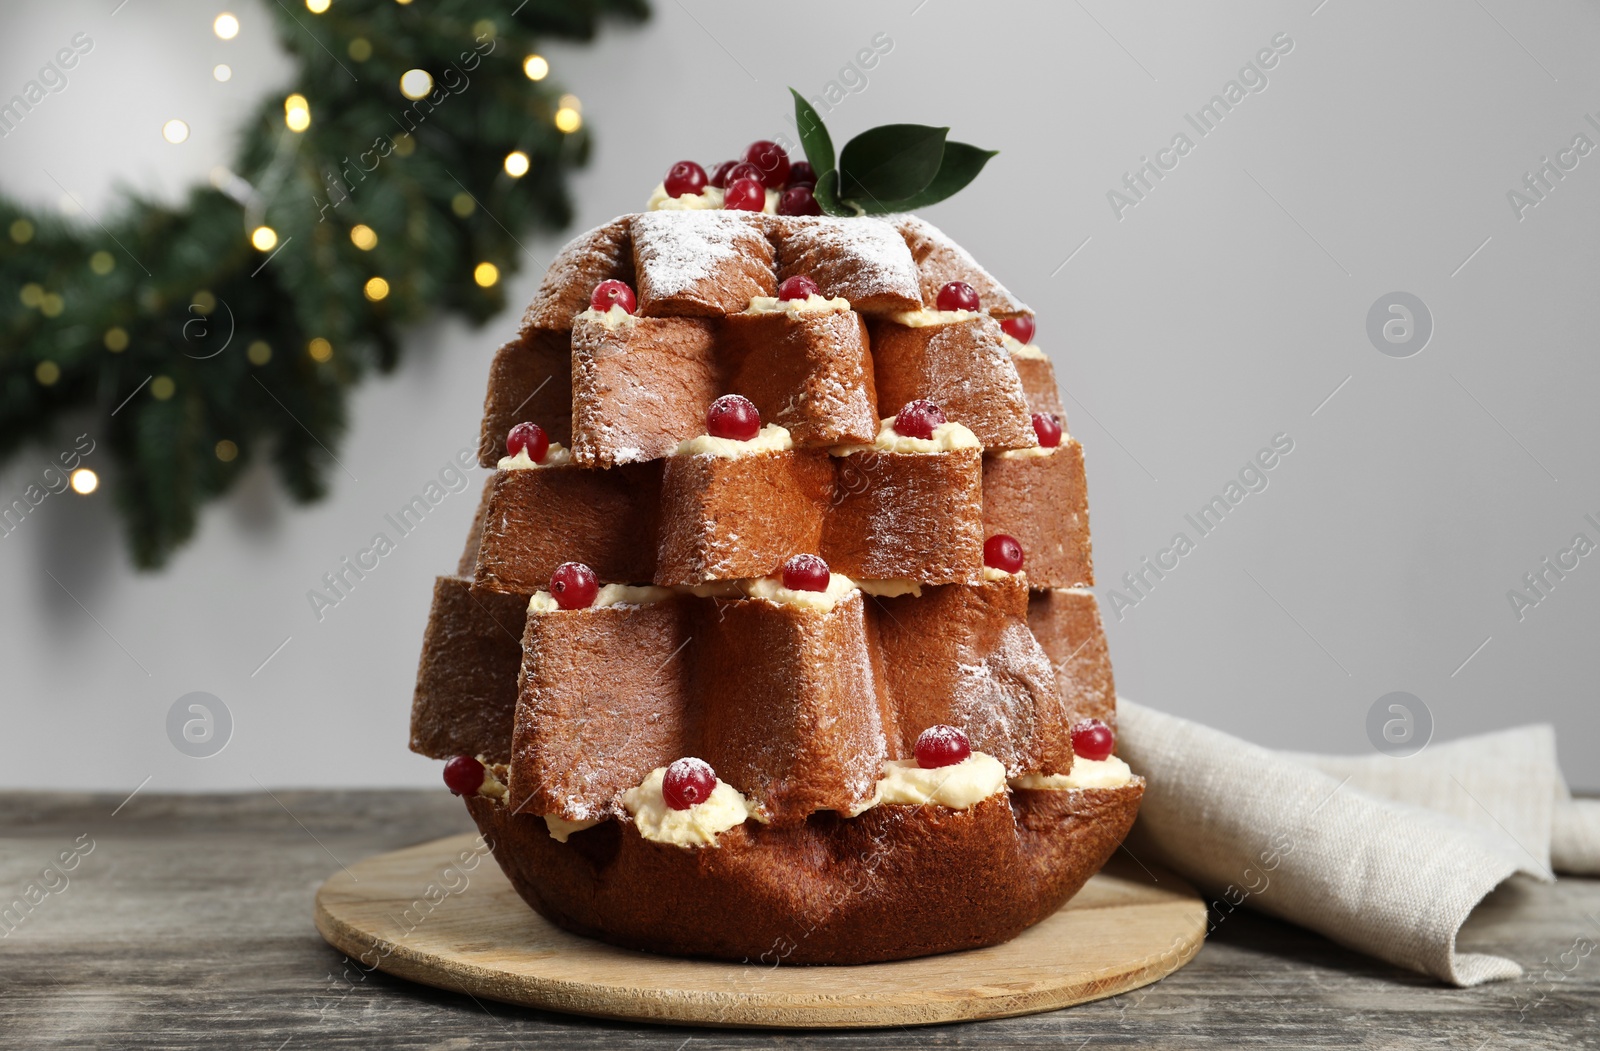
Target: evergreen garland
186,341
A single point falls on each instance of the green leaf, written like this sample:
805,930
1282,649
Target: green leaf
961,164
890,162
814,136
827,194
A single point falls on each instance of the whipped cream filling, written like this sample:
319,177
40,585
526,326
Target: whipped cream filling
697,826
1030,452
630,595
812,304
991,573
770,438
709,199
959,786
1110,772
928,318
1020,349
772,589
946,437
557,455
610,319
542,602
494,780
560,828
892,588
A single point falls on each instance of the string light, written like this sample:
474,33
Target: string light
31,294
416,84
175,131
537,67
463,204
297,113
376,288
162,388
486,274
84,481
363,237
116,339
47,372
516,164
102,262
52,305
319,349
316,7
265,238
226,451
259,352
21,231
359,49
223,72
225,26
569,117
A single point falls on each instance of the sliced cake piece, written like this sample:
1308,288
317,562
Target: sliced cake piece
806,366
530,380
864,260
602,254
954,358
467,565
640,385
940,260
1066,621
700,264
1038,379
1040,497
466,691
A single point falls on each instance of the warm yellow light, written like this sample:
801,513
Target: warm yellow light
297,113
295,101
259,352
203,301
483,28
319,349
47,372
359,49
162,388
222,71
416,83
316,7
363,237
568,119
516,164
265,238
569,102
175,131
52,305
226,451
463,204
536,67
21,231
376,288
84,481
102,262
116,339
486,274
225,26
402,3
404,144
32,294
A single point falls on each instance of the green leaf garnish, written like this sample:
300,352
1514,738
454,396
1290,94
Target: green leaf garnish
891,162
826,193
961,164
814,137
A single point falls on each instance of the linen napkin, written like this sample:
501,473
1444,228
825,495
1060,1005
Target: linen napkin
1385,856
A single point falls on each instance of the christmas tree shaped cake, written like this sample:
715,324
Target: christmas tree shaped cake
773,639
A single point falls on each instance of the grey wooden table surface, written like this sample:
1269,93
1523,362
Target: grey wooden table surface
185,921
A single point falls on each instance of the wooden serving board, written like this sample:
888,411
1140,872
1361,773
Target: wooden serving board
420,914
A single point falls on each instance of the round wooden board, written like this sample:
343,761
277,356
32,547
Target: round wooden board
421,914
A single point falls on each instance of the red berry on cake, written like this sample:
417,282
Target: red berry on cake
1093,739
918,419
1002,552
733,416
941,745
745,195
463,775
806,573
800,286
719,176
529,437
1019,328
608,294
573,585
771,159
957,295
684,177
802,174
688,781
798,200
1047,427
746,170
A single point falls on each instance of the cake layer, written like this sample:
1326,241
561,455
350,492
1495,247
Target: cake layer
940,260
466,694
1038,378
1066,621
701,264
604,253
867,263
961,366
640,386
809,373
1041,498
907,516
529,379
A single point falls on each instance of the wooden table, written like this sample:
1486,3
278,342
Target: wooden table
185,921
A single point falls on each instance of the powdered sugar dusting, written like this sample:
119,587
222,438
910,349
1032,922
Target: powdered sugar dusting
676,251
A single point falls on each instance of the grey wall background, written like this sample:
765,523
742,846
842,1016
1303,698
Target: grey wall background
1229,306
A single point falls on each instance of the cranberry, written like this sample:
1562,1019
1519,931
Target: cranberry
688,781
733,416
529,436
941,745
1019,328
798,200
684,177
745,195
957,295
746,170
802,174
1002,552
772,160
608,294
573,585
806,573
1093,739
800,286
719,177
918,419
463,775
1047,425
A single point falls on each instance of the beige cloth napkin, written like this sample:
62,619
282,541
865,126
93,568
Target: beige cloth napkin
1386,856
